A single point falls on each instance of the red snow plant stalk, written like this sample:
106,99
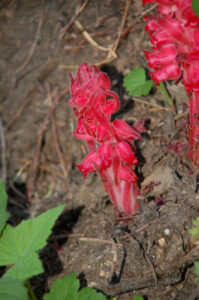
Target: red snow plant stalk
110,143
174,33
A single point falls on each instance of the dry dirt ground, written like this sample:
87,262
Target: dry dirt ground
149,254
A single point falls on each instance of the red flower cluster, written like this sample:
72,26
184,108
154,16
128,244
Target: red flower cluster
110,143
174,34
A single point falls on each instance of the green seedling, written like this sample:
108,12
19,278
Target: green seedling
136,83
195,6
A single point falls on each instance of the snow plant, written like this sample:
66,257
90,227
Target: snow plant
110,143
174,33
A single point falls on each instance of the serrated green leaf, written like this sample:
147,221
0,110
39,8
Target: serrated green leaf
136,84
64,289
67,288
4,215
195,6
26,267
90,294
147,87
28,237
138,298
196,265
11,289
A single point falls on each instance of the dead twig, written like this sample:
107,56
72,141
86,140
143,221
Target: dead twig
12,201
69,67
36,159
112,52
147,11
127,6
42,167
152,268
88,37
19,193
49,67
142,227
78,11
21,170
3,152
96,240
34,45
60,155
137,20
52,171
150,104
110,49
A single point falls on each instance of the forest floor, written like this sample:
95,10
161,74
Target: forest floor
149,254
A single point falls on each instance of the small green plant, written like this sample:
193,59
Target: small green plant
196,266
138,298
19,248
136,83
194,232
68,288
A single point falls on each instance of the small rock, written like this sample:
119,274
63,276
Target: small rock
167,231
161,242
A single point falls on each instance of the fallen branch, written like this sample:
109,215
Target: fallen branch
49,67
78,10
35,163
34,45
59,152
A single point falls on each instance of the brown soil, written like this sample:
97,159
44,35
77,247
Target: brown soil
149,254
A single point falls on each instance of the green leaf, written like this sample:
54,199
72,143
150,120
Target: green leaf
195,231
136,84
138,298
18,244
195,6
11,289
67,288
4,215
196,222
196,265
90,294
26,267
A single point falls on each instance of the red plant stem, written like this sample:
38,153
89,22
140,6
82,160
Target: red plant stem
193,128
123,194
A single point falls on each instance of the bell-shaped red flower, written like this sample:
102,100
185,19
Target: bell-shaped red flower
174,34
110,143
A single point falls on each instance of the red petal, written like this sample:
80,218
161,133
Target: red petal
167,72
126,153
127,174
139,126
164,55
104,152
125,131
89,163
